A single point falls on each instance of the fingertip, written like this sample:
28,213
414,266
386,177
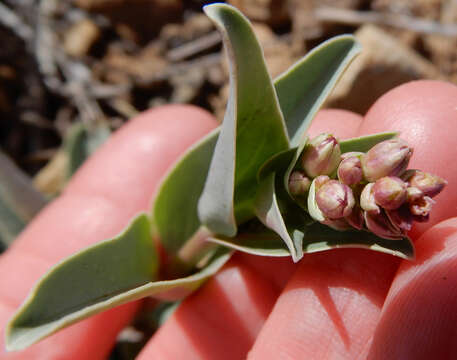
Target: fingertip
329,308
340,123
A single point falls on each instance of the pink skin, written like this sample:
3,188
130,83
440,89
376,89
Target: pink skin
328,306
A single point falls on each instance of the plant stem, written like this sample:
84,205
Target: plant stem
195,249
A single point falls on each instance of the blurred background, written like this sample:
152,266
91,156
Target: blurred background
73,71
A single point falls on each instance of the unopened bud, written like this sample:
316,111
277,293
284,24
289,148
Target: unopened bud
321,156
321,180
350,170
413,194
389,192
337,224
298,183
335,200
380,225
367,201
428,184
422,207
355,218
388,158
400,218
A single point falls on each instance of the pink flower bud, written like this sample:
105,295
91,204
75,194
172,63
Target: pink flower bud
350,170
337,224
401,218
429,184
389,192
422,207
335,200
388,158
413,194
298,183
321,180
321,156
367,201
380,225
355,218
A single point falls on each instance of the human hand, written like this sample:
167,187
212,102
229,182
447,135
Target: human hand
328,306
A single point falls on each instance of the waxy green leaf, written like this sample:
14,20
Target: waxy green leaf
177,198
316,238
365,143
85,283
296,98
105,275
253,129
303,88
19,200
268,212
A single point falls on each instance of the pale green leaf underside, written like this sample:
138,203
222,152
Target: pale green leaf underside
252,131
317,238
84,283
304,87
268,212
88,283
177,199
19,200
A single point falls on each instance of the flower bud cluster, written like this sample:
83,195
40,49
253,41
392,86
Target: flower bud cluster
371,190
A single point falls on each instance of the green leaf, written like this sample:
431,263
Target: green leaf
317,237
292,94
86,283
101,277
19,200
304,87
253,129
268,212
278,163
82,141
267,244
365,143
177,199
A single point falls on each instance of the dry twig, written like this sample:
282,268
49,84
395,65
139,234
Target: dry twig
10,20
194,47
352,17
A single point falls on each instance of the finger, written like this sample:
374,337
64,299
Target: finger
419,316
111,187
340,323
220,321
223,319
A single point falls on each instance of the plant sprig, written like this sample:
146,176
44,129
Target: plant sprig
232,191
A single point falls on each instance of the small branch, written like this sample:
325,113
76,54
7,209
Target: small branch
351,17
